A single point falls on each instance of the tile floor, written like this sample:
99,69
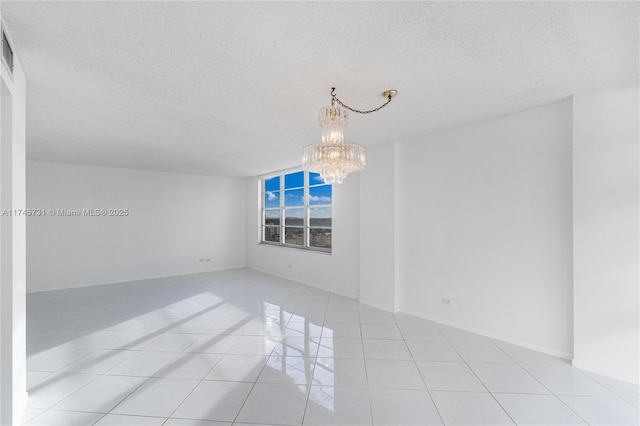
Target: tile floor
243,348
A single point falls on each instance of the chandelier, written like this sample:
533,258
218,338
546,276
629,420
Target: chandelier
333,158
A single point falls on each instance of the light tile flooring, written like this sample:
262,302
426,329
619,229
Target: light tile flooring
240,347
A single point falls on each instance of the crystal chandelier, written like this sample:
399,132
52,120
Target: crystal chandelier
333,158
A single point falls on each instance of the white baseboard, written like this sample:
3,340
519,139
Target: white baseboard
153,277
314,285
605,372
491,335
377,306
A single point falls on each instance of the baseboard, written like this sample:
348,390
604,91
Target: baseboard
314,285
605,372
153,277
524,344
377,306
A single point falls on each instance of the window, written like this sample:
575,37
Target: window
296,211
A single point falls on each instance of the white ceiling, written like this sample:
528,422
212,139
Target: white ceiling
233,88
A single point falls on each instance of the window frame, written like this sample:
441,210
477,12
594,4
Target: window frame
306,206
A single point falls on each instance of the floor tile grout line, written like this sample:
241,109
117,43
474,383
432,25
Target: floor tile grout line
556,396
125,397
542,384
308,387
75,391
610,389
235,419
364,361
102,415
191,392
433,401
107,414
366,375
306,402
477,377
585,373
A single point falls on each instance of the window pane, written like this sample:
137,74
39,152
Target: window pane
320,195
294,180
320,217
272,199
272,217
293,217
294,197
319,237
315,179
272,234
294,236
272,184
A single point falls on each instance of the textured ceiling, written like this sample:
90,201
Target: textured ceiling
233,88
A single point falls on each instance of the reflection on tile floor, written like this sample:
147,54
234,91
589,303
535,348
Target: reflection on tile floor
243,348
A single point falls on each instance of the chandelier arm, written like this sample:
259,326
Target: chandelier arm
363,112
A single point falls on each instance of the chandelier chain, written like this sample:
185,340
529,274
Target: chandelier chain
364,112
334,98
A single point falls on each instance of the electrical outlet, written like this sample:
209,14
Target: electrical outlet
446,301
208,260
289,266
201,260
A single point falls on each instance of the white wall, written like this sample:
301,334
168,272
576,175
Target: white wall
606,214
485,220
13,393
378,234
174,221
337,272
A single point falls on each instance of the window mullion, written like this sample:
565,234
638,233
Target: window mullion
282,212
305,214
